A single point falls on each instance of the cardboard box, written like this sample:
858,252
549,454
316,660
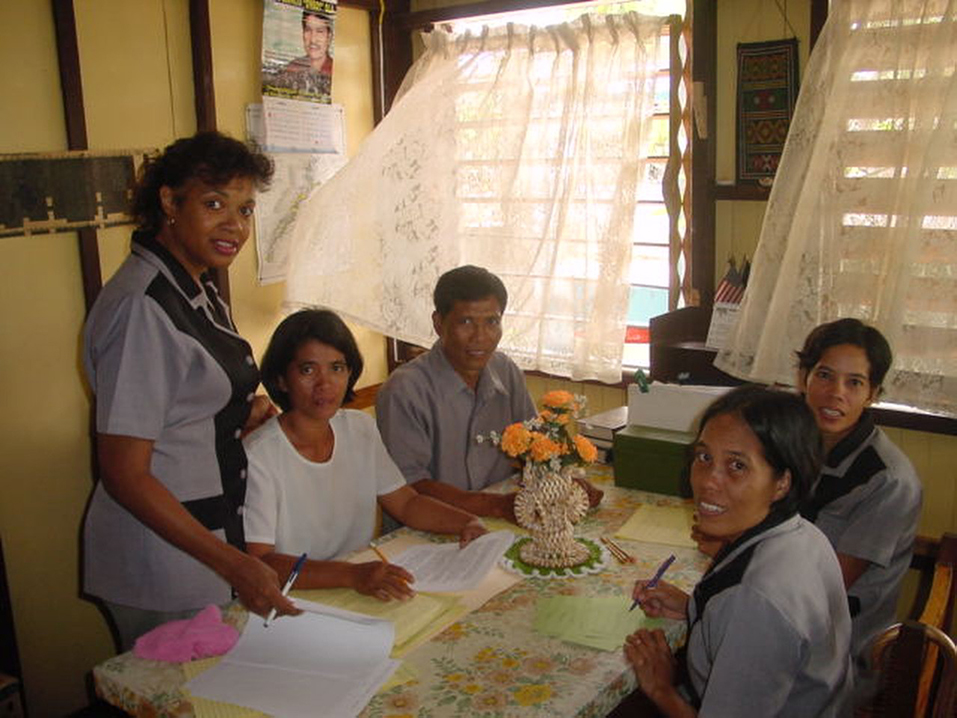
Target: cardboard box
670,406
651,459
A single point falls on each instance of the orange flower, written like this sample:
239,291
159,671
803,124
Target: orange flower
585,448
559,399
516,439
543,448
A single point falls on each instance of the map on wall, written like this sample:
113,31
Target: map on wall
57,192
297,173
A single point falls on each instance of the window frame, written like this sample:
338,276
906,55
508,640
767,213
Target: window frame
398,55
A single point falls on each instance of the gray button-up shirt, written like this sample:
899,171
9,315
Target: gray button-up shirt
429,418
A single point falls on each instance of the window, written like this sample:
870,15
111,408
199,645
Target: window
660,247
535,152
862,221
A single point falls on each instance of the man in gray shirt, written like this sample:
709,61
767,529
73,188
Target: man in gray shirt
430,410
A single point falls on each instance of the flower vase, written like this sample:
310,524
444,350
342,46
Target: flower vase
548,504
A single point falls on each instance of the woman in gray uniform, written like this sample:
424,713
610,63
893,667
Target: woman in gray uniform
175,390
769,629
868,499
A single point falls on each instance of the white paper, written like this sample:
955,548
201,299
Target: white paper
723,318
324,657
674,407
446,567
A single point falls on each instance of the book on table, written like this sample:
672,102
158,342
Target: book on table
602,426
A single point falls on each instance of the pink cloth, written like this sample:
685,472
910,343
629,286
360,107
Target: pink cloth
201,636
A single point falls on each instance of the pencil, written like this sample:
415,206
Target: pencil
627,556
380,554
615,550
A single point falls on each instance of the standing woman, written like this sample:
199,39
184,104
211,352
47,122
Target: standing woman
768,625
175,390
868,499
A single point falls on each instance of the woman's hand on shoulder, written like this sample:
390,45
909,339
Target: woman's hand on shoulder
472,530
661,601
383,580
257,586
261,411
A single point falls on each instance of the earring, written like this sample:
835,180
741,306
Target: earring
171,221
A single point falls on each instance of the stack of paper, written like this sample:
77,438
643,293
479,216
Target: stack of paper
324,657
600,622
446,567
415,620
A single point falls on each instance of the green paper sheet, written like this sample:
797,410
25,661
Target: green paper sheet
601,622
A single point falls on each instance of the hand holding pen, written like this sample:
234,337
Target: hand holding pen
382,579
660,599
293,575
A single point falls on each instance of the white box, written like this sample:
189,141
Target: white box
670,406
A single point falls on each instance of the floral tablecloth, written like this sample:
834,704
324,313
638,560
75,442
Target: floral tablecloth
490,663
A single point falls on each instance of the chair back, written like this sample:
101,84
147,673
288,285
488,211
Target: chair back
916,666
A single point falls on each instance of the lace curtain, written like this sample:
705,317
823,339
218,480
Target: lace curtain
517,149
862,218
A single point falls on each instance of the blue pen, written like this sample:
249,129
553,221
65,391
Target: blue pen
657,577
293,575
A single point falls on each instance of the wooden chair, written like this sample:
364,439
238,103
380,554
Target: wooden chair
917,670
916,660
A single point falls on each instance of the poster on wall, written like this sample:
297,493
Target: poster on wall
297,56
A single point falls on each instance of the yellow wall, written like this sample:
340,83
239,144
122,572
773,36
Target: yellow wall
137,77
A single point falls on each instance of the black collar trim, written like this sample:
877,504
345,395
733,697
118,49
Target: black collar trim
846,446
718,578
831,487
183,279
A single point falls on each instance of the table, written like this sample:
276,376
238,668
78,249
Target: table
491,662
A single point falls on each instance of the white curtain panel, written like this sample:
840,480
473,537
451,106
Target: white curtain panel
862,218
517,149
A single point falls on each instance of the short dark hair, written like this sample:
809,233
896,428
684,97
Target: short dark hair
785,427
295,330
855,333
321,15
467,283
212,157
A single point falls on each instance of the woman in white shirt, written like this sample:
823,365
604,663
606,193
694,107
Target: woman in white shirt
317,470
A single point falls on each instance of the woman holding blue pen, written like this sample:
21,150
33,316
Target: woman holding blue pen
769,627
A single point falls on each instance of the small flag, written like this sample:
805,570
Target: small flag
731,288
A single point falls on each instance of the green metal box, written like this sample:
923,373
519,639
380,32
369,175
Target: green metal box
651,459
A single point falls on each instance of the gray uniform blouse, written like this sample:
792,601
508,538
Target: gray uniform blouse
770,629
867,502
429,418
166,364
